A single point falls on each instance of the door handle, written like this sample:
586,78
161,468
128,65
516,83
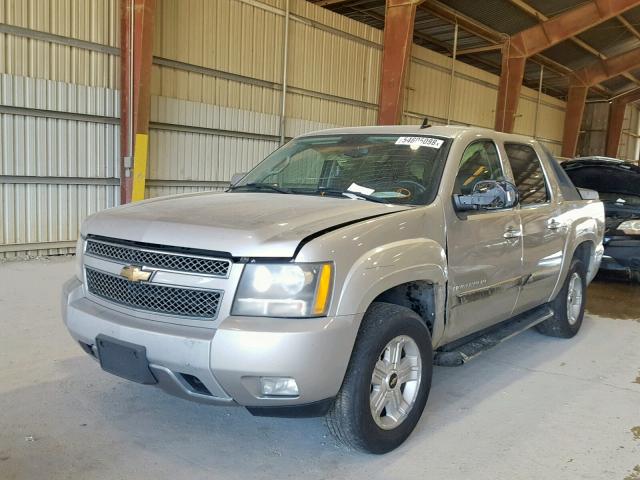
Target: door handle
554,224
512,232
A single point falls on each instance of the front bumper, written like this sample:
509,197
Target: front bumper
227,360
622,255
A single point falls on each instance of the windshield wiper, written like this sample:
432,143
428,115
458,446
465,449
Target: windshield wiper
263,186
346,193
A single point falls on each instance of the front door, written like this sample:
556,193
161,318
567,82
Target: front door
484,251
543,229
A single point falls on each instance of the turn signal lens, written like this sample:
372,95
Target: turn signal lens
322,293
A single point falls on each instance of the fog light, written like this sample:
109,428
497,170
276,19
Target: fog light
278,386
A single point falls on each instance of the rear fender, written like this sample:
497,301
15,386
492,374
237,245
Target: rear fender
581,231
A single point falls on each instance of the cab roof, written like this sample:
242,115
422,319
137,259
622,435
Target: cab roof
447,131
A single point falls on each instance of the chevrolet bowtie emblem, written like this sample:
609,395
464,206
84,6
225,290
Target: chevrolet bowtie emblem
135,274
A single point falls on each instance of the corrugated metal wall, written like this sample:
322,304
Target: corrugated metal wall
58,120
593,135
629,147
216,100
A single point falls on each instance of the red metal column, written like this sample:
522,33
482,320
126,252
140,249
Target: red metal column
513,63
616,119
573,119
139,90
398,39
125,95
540,37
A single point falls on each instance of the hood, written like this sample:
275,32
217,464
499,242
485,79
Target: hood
604,176
242,224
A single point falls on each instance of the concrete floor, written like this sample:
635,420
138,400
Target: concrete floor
532,408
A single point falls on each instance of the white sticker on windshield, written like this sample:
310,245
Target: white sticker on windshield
354,187
420,142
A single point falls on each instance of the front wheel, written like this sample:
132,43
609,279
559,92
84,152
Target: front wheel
568,305
387,382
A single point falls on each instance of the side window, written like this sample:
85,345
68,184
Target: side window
480,161
527,173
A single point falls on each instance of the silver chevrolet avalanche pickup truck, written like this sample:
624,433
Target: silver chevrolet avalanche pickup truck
332,277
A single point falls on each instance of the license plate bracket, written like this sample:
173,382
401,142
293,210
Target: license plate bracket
124,359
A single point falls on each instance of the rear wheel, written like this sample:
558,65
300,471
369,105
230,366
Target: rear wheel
568,305
387,382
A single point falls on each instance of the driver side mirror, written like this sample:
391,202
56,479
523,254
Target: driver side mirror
487,195
236,178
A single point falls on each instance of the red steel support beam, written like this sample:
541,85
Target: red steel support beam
616,119
125,96
573,119
136,93
535,39
398,39
581,80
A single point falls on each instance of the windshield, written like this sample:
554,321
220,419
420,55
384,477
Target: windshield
385,168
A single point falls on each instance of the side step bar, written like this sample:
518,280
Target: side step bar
461,354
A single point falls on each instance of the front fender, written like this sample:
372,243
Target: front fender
385,267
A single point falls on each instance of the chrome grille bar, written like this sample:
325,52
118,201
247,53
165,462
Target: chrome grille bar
159,259
179,301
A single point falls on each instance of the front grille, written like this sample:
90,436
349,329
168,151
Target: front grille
158,259
185,302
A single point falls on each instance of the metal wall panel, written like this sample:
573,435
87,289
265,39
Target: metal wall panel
628,147
192,141
93,21
162,191
593,135
58,161
90,20
41,214
473,98
40,59
46,146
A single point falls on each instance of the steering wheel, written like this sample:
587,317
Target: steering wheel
412,187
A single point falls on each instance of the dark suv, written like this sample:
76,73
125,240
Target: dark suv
618,183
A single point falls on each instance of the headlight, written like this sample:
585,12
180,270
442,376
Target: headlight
630,227
284,290
80,258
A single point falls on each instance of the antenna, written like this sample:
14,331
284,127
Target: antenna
425,123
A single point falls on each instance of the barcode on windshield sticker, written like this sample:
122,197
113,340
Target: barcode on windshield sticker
420,142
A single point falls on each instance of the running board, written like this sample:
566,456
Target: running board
467,351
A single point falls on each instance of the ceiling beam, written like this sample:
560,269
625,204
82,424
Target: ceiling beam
486,48
448,14
540,37
419,35
633,30
329,3
541,17
602,70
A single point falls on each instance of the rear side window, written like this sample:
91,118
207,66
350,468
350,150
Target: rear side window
480,161
527,173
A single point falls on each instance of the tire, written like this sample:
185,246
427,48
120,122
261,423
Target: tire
567,321
351,419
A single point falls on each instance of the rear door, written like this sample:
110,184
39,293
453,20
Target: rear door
484,250
543,232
